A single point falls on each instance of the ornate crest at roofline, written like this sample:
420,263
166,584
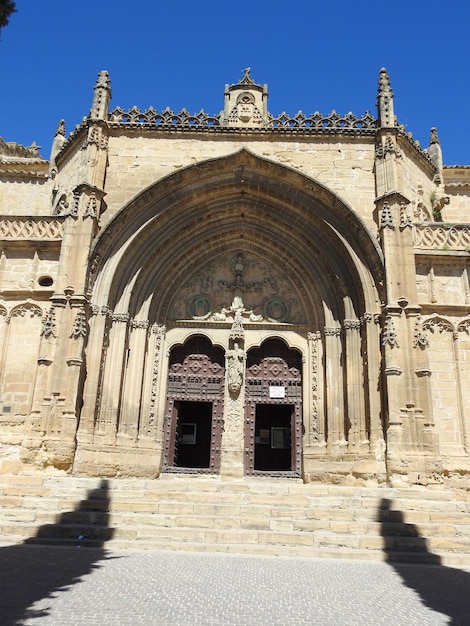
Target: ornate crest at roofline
245,103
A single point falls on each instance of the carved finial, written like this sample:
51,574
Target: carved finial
103,79
434,138
385,101
246,72
102,96
57,144
61,128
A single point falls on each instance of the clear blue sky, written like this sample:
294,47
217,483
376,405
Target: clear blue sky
313,55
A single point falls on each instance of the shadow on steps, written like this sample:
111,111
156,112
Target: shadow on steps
442,589
33,572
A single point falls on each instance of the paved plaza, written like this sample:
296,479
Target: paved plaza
65,586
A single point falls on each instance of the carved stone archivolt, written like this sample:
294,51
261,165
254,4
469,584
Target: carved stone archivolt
238,282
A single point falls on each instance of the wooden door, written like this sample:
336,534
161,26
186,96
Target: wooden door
194,408
273,415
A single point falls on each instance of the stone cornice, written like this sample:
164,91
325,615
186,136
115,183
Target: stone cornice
24,168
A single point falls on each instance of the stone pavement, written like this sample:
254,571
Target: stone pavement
87,586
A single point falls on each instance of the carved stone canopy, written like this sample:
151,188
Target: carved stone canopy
238,286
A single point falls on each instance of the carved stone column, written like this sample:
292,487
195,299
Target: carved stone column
232,453
95,359
357,435
76,332
334,390
315,427
132,387
152,411
371,325
112,379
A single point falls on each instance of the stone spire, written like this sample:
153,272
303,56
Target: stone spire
434,151
385,110
101,98
58,142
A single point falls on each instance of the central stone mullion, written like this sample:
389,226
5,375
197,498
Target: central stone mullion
232,452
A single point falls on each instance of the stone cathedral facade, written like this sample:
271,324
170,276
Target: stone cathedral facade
237,295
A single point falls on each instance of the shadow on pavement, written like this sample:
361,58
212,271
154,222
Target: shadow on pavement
34,572
440,588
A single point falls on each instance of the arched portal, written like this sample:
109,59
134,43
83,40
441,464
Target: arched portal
273,409
233,247
194,407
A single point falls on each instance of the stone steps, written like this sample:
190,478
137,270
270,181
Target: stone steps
258,516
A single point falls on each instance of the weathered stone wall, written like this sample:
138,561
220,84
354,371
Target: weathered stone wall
20,196
344,165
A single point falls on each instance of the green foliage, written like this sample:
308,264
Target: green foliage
7,7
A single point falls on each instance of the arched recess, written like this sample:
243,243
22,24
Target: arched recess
287,228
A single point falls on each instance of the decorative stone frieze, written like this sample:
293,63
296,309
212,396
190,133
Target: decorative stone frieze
315,433
159,331
31,228
332,332
442,236
26,310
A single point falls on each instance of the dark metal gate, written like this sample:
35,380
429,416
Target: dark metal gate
194,408
273,414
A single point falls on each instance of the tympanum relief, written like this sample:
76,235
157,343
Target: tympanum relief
238,285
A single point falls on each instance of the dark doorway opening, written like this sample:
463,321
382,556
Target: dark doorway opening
193,434
273,441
